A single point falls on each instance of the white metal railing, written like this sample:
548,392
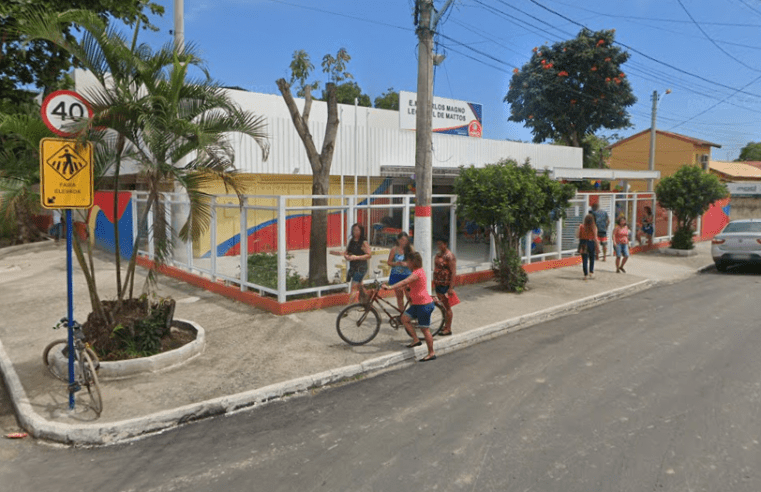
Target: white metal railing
233,218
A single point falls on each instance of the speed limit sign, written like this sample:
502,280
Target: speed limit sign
61,109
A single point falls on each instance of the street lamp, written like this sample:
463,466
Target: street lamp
651,160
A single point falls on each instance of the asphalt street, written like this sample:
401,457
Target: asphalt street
657,391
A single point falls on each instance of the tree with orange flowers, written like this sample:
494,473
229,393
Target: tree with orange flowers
572,89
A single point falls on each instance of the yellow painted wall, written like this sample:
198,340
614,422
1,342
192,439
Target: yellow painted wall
670,154
228,220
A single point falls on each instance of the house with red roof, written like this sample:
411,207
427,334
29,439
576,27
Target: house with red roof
672,151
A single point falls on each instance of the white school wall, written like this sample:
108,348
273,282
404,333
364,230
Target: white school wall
375,141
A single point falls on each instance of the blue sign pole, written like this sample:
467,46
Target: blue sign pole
70,294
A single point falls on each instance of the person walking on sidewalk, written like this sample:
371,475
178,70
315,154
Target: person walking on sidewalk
398,263
621,244
422,304
588,245
444,274
357,253
602,222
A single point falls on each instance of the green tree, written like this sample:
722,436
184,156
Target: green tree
388,100
41,64
751,152
347,92
510,200
321,161
572,89
688,193
21,129
157,117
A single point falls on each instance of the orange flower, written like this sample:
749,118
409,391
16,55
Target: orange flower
515,70
607,59
622,75
601,42
573,101
534,50
594,69
549,65
607,79
563,74
531,116
544,61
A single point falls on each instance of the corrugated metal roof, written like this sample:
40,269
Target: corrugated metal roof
362,148
735,170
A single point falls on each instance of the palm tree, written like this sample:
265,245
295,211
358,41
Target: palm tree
20,135
147,110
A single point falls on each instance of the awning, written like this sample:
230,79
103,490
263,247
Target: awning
408,171
570,173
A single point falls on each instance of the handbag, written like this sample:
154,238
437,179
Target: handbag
582,247
453,299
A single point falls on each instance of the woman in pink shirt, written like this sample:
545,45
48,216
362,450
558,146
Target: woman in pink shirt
621,244
422,304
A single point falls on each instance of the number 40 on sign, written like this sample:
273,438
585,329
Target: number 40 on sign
61,109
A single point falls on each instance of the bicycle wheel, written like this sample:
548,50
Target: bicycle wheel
59,372
47,359
438,317
358,324
90,380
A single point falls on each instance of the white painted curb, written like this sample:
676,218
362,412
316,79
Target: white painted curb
113,432
122,369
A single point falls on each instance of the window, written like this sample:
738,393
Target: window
743,227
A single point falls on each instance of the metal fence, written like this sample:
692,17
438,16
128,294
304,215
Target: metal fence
262,243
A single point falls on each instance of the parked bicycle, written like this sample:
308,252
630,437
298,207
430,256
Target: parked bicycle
86,364
358,324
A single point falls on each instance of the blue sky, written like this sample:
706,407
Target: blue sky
708,52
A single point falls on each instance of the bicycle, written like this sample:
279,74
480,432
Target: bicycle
86,364
358,324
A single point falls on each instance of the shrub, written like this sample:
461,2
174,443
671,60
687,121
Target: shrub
688,193
262,270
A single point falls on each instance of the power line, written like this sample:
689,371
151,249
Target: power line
719,84
717,104
654,19
709,38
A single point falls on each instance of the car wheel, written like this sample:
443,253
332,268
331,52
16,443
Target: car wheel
721,266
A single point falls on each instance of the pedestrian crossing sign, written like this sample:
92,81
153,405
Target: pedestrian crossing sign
66,173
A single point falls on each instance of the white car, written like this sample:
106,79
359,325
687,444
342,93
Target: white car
738,243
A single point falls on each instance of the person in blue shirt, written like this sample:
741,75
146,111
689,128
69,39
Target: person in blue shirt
601,221
397,260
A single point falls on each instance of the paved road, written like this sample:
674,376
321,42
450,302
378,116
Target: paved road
659,391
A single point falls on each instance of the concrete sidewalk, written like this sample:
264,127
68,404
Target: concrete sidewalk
251,356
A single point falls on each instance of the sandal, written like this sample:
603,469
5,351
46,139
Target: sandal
445,334
426,359
412,345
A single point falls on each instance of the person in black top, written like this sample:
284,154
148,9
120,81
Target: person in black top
357,253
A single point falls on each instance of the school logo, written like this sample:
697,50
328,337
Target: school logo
475,129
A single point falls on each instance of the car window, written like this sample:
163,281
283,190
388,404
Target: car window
743,227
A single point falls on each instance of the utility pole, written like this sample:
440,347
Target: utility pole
651,160
179,24
427,23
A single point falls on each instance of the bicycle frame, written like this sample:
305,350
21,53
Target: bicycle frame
377,300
